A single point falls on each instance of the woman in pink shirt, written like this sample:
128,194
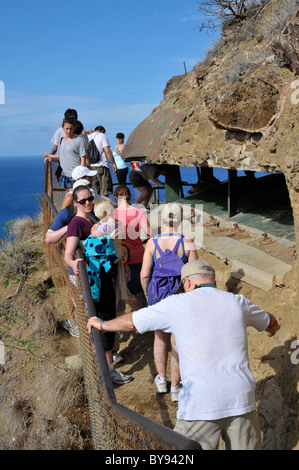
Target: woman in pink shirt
132,220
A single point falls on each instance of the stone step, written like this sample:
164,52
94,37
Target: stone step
247,262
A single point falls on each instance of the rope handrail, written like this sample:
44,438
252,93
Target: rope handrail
162,433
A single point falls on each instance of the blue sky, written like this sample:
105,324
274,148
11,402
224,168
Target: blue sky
108,59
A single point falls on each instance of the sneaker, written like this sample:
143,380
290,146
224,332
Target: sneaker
175,392
118,377
160,384
72,329
117,358
73,279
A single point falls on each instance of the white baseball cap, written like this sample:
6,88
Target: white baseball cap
81,183
81,171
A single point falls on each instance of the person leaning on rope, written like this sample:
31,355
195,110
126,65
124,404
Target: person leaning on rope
209,325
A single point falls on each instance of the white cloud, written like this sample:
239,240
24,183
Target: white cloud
28,122
192,15
49,109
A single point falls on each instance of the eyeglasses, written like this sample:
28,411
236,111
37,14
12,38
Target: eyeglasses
83,201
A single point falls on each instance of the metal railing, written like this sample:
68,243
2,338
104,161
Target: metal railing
113,426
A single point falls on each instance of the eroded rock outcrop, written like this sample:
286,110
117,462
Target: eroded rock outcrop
286,47
250,106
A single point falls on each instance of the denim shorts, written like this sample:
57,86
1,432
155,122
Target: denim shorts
66,181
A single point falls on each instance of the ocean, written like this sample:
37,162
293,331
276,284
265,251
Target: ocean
21,186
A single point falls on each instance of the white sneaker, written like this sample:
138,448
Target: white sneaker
160,384
175,392
117,358
118,377
73,329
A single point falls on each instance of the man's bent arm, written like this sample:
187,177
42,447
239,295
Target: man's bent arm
121,323
274,325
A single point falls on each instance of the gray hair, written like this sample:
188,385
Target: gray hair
210,275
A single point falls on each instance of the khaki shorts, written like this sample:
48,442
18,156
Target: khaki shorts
238,432
103,180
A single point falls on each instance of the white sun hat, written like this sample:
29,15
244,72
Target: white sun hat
81,171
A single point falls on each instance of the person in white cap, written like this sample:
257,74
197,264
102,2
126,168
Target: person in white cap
218,394
83,177
82,172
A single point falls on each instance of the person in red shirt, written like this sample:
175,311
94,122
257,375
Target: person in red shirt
132,220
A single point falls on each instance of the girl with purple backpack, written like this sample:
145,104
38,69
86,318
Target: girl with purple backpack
163,258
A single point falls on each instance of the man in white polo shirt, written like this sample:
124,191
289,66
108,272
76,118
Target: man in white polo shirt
209,325
103,180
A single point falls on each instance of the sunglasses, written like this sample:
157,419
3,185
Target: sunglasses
83,201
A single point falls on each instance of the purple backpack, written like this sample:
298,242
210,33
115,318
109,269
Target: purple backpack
166,274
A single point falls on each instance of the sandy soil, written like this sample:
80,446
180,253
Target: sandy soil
270,358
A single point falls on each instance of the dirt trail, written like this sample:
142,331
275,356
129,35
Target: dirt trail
270,358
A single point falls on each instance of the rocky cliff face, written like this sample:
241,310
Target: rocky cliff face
239,108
